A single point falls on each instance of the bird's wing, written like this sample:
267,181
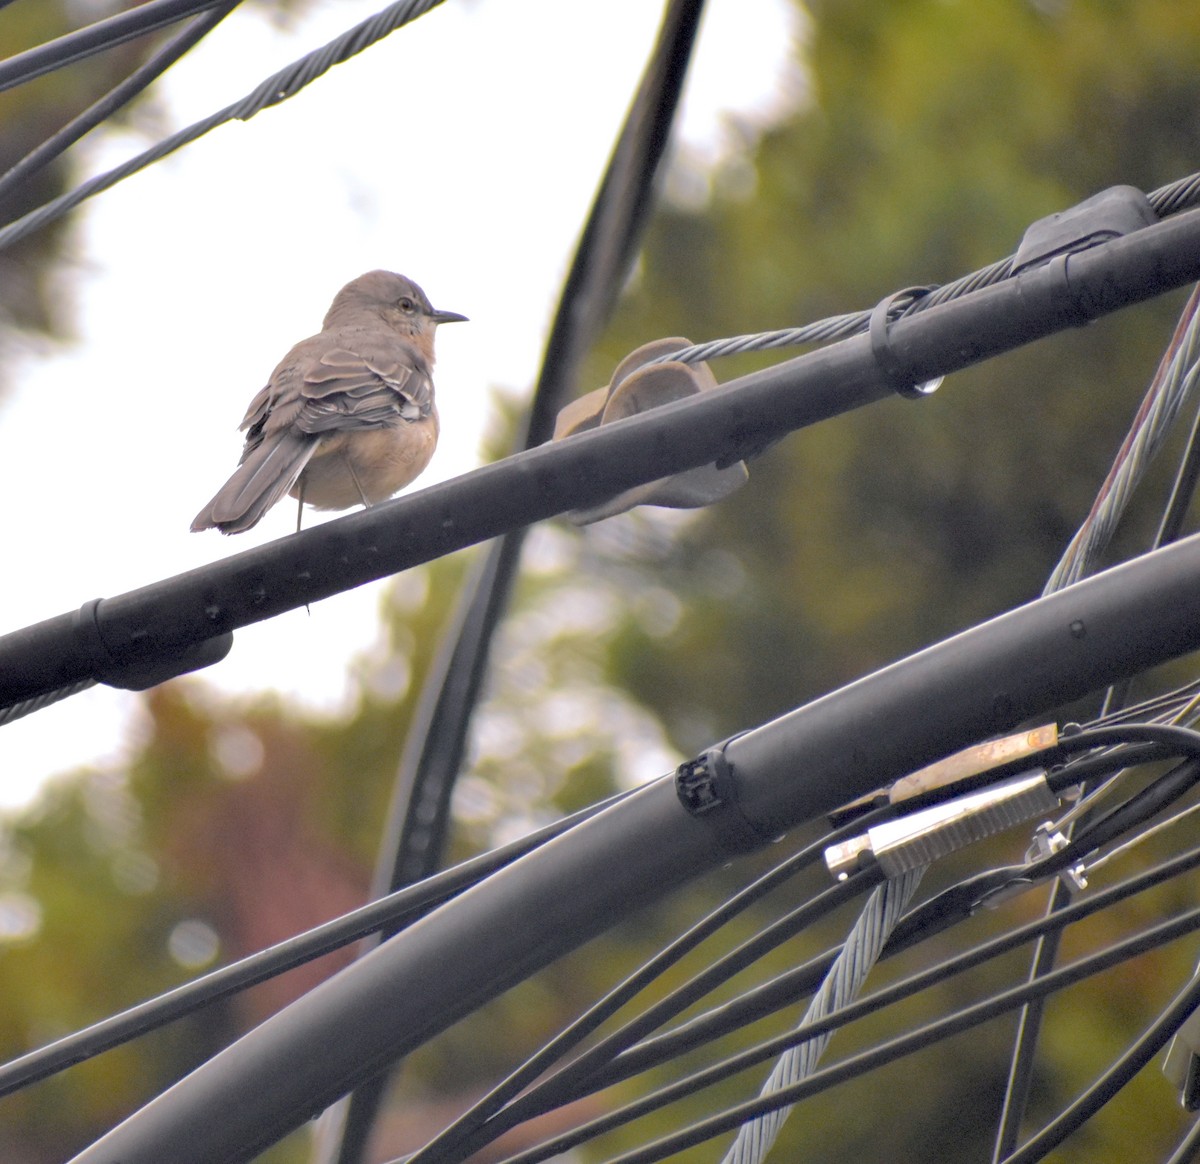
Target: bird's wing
275,452
364,387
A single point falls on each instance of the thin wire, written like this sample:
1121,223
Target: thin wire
1171,199
402,906
870,1004
15,711
75,46
1112,1081
471,1132
116,97
902,1045
1173,382
1153,831
276,88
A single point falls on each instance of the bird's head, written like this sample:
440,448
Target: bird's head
398,301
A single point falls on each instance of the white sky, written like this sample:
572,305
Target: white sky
462,151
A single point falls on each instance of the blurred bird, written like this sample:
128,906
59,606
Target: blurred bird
348,415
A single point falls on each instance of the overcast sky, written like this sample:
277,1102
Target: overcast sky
462,151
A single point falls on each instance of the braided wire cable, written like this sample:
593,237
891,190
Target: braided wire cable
1176,196
1170,199
1172,385
841,986
276,88
28,706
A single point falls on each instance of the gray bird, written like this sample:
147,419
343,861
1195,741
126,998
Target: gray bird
348,416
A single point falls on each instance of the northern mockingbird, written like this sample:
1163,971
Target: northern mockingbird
347,416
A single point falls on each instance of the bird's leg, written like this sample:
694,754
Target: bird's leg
300,502
357,484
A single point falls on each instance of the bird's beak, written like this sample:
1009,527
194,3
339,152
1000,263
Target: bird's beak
447,317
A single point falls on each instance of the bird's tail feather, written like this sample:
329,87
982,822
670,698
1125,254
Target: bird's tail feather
266,474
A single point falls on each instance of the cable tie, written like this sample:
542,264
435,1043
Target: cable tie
1048,840
878,330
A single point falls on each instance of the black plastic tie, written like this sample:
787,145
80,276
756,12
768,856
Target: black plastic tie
707,789
885,356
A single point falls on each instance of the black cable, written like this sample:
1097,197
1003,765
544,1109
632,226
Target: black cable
899,1047
115,98
145,18
869,1004
1114,1079
570,1080
793,985
399,908
463,1131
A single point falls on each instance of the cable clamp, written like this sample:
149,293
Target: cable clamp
1048,840
1111,214
707,789
878,329
922,837
143,673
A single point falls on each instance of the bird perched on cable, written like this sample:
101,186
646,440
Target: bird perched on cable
348,416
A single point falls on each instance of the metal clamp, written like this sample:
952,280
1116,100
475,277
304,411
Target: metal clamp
921,837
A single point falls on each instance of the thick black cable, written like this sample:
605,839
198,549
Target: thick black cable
591,1071
118,639
797,767
115,98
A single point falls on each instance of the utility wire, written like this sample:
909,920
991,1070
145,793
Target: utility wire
1173,382
275,89
875,1003
115,98
95,38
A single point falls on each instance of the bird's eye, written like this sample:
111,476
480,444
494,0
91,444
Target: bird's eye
406,305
